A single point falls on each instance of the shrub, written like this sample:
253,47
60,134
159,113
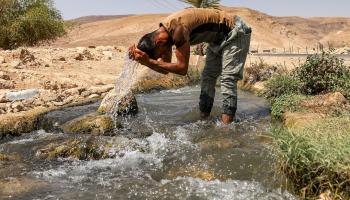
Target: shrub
322,73
262,71
286,102
281,85
28,22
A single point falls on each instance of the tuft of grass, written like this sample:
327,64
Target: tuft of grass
317,158
281,85
286,102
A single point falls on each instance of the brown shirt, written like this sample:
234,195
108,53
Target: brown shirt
198,25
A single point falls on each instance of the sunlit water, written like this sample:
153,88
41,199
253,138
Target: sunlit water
183,158
125,82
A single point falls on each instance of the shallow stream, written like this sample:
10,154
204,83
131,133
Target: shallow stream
185,158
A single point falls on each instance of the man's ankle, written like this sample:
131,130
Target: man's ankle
227,119
204,115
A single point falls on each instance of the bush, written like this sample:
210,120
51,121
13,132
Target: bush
286,102
28,22
281,85
322,73
261,71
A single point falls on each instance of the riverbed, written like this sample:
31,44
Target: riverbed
172,155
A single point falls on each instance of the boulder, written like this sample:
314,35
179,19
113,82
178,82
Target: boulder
91,124
90,148
113,104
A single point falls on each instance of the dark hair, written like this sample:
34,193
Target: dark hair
148,45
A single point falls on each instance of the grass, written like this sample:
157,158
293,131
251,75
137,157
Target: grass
317,158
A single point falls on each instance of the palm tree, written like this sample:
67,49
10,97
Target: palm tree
203,3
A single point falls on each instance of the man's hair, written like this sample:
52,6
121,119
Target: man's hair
147,44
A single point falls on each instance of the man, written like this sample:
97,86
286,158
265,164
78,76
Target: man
229,39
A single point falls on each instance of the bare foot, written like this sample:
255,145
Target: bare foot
227,119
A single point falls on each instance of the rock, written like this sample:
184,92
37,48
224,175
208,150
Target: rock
55,103
101,89
2,60
126,106
15,64
74,91
3,98
98,82
62,58
5,76
334,99
22,95
300,120
17,106
4,84
26,56
93,96
6,157
89,148
90,124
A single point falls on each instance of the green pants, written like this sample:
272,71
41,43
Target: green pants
226,59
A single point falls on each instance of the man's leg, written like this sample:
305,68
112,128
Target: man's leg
234,56
211,72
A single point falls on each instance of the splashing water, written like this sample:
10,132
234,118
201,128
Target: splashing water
125,82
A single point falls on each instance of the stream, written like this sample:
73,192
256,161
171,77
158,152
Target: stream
177,156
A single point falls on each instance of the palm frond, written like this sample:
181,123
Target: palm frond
203,3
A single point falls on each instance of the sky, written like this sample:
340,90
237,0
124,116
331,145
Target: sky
305,8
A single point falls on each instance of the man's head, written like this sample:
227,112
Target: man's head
155,44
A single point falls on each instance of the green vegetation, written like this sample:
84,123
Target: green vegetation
317,158
320,74
323,73
28,22
286,102
316,155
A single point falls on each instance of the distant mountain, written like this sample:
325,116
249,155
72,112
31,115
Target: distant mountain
95,18
269,32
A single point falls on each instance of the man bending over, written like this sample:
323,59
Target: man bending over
228,38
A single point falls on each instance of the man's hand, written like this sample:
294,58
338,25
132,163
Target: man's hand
138,55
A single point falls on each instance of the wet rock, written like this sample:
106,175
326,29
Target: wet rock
22,122
91,124
219,143
127,105
190,171
89,149
14,188
7,157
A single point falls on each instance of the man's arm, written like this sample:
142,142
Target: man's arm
180,67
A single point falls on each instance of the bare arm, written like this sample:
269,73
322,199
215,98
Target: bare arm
180,67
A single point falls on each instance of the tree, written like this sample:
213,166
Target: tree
28,22
202,4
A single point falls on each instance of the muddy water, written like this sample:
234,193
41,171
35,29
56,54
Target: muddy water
177,156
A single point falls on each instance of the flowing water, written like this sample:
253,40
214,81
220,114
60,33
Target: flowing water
172,155
125,82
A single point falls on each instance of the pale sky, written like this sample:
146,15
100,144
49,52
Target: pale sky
305,8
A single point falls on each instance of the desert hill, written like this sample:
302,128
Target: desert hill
269,32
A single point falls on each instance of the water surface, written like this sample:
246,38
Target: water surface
177,157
